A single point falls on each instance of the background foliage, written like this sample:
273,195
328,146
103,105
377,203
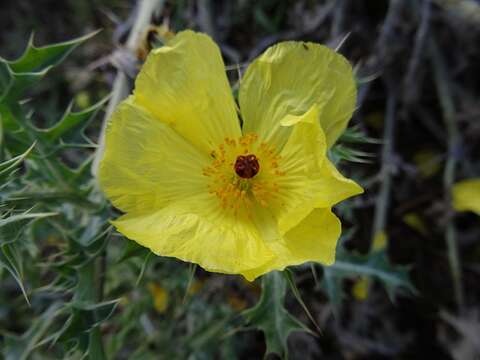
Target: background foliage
405,281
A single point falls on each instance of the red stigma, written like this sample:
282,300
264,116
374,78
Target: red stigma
247,166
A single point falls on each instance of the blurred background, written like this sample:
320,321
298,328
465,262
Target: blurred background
407,285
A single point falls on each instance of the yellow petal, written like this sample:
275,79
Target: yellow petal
310,180
144,160
184,84
466,195
198,231
302,157
332,187
289,78
313,239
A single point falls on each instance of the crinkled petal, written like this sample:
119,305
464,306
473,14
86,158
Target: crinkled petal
146,164
466,195
184,84
198,231
310,180
331,187
313,239
301,158
289,78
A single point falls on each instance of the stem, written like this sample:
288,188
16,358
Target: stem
86,291
121,86
383,199
421,38
66,196
39,147
381,205
448,110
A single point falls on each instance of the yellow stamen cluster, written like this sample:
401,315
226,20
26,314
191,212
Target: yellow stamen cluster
240,194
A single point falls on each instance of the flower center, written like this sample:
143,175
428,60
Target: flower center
247,166
237,179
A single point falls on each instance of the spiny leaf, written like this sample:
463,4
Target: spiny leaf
21,347
18,83
291,282
36,59
355,135
332,284
18,75
209,333
8,166
102,310
25,216
132,249
9,256
376,265
341,152
72,122
270,316
394,278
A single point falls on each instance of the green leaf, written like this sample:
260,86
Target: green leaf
97,312
72,123
270,316
24,216
9,166
5,76
132,249
209,333
296,292
17,75
18,83
376,265
332,284
37,59
355,135
341,152
394,278
21,347
11,228
12,130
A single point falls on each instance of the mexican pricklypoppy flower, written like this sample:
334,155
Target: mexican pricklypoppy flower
234,196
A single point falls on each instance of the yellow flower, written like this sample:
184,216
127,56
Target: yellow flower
466,195
198,186
415,222
427,162
160,297
360,288
379,241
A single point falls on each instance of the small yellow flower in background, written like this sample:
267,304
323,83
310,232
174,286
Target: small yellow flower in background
197,186
236,302
379,241
195,287
152,34
83,99
375,120
415,222
466,195
360,288
428,162
160,297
